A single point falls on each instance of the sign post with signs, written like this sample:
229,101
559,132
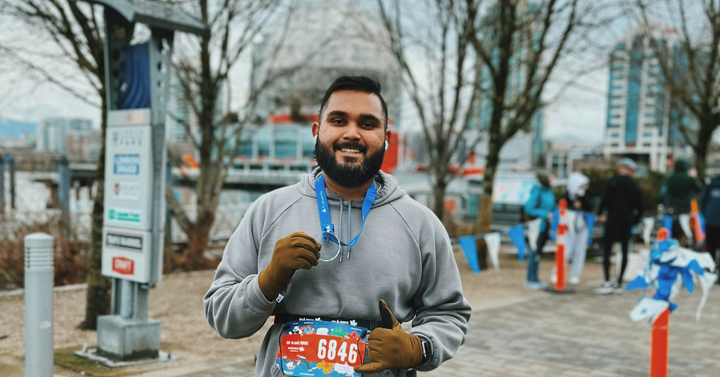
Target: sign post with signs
137,78
129,199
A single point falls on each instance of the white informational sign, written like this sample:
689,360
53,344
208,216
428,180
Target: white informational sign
129,170
129,251
126,254
513,189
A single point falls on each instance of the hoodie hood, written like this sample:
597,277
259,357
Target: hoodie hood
575,183
388,191
681,166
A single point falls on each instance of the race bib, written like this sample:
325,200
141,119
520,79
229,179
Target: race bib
321,348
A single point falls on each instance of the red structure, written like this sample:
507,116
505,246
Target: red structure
390,161
660,333
560,248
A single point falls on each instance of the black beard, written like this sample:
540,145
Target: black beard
348,176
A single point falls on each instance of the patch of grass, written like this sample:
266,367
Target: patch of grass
66,358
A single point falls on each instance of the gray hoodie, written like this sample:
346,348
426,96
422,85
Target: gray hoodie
403,256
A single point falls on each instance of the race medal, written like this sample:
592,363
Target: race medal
321,348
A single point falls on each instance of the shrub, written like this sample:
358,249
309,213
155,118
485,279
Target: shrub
69,249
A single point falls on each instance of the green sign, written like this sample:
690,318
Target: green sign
130,216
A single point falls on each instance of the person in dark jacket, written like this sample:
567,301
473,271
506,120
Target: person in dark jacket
679,189
710,208
623,200
540,205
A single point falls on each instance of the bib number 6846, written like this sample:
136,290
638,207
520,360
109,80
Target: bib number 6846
328,350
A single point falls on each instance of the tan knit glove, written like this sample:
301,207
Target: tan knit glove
392,348
296,251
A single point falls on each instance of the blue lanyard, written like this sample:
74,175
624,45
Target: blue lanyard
324,212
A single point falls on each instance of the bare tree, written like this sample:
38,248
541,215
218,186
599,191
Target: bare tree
445,87
203,67
689,63
488,63
75,32
520,44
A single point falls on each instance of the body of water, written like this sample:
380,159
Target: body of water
32,203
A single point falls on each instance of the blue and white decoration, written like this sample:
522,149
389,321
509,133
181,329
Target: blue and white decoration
669,268
470,249
517,235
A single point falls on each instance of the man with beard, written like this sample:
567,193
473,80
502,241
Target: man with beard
344,286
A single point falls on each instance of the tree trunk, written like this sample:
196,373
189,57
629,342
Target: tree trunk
98,286
484,220
439,197
707,129
193,257
701,160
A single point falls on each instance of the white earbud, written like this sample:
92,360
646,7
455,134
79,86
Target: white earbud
315,139
386,145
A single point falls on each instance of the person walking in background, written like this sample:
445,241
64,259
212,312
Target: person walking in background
577,236
540,205
710,208
679,189
623,200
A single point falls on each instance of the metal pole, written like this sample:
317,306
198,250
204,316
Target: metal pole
170,181
38,305
127,298
2,185
11,166
63,192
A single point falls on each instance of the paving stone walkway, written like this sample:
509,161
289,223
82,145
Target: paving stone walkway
571,335
584,335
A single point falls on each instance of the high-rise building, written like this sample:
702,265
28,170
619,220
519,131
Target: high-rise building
52,135
643,122
178,112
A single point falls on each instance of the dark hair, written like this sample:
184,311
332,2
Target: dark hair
357,84
543,177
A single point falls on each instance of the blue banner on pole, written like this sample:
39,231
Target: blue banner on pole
134,77
517,236
667,224
470,249
590,221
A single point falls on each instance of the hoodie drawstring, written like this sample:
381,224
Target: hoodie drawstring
340,234
349,228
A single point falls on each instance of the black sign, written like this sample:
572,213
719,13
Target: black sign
127,242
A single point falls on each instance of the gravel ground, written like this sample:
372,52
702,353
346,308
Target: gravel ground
177,303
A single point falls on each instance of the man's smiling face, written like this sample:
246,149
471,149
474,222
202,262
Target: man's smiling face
351,137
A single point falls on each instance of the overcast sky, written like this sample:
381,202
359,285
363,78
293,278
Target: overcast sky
579,112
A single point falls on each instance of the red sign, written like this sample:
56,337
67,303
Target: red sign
123,266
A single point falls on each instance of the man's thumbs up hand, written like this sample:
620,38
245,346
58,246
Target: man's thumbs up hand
391,348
